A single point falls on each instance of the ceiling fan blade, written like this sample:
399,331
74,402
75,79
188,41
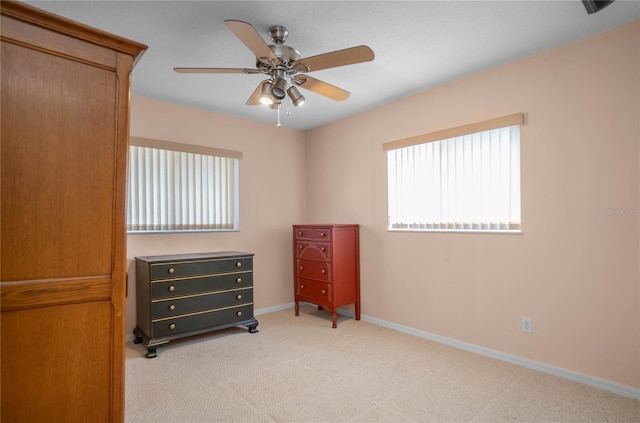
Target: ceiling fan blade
254,99
322,88
348,56
216,70
250,37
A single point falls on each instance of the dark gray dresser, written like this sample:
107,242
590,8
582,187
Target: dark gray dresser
189,294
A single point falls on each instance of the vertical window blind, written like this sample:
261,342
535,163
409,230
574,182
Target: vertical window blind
173,190
468,182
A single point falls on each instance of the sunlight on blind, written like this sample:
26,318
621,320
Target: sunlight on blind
176,191
469,182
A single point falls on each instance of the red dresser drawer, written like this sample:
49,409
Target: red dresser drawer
313,290
313,250
318,270
313,233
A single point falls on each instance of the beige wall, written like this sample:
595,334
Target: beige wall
574,270
272,183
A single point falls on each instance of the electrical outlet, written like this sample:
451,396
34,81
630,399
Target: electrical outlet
527,325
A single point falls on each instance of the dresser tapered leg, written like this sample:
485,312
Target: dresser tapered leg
335,319
297,309
358,310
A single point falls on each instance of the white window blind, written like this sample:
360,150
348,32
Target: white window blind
467,182
174,190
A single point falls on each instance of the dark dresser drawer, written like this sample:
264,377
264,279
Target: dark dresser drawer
204,320
198,267
186,286
185,305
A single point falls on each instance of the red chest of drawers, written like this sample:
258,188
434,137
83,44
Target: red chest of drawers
327,266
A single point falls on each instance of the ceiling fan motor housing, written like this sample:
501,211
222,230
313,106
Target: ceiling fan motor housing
286,54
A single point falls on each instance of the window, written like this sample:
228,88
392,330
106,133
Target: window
462,179
177,187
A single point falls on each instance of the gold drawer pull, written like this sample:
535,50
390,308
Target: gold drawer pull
322,249
324,292
172,307
301,267
299,233
323,271
238,280
301,286
238,297
172,288
239,314
238,264
301,247
171,270
322,234
172,326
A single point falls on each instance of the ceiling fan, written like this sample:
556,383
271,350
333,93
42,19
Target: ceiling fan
284,67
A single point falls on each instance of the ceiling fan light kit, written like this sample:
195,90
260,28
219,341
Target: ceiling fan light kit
283,65
265,96
279,88
295,96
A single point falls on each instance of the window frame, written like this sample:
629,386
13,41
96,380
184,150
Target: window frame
194,149
517,119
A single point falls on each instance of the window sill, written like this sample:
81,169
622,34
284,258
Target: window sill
190,231
462,231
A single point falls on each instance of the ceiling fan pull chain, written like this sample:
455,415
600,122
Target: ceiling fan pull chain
279,124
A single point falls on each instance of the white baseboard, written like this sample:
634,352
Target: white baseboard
273,309
616,388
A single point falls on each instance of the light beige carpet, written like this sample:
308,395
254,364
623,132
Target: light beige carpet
299,369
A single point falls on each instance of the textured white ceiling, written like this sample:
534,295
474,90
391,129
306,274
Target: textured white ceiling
418,45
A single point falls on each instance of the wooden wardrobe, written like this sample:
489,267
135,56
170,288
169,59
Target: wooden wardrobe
63,165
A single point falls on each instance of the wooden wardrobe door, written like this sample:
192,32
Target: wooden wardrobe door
58,166
63,148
